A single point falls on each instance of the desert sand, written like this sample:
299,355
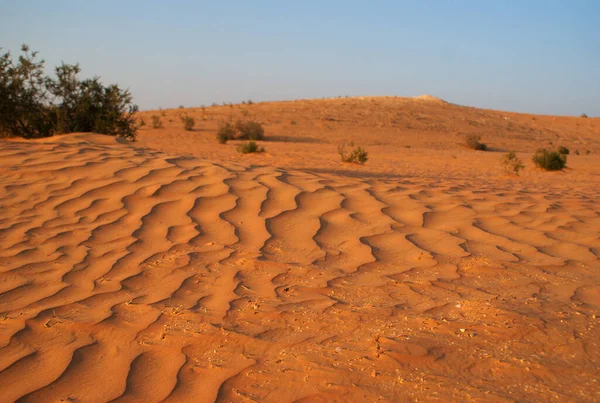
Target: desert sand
173,268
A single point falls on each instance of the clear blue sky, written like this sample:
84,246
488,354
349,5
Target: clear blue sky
532,56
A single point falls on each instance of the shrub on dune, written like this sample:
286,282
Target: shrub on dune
243,130
549,160
564,150
250,147
473,141
512,164
250,130
226,132
188,122
356,155
156,122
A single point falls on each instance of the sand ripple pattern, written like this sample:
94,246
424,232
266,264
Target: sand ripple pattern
131,275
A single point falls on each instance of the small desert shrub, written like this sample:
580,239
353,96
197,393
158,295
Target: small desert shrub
226,132
250,130
293,122
512,164
576,152
188,122
142,122
473,141
549,160
563,150
583,115
357,155
156,122
249,147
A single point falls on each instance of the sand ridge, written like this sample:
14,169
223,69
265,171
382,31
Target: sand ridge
132,274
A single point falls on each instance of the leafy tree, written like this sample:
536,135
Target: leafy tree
32,105
24,106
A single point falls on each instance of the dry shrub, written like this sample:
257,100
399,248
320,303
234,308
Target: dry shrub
512,164
250,147
156,122
473,141
188,122
356,155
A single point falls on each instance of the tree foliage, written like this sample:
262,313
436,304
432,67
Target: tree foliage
33,105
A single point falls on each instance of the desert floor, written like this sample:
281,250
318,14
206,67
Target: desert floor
173,268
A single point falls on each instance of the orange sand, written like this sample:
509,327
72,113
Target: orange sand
174,268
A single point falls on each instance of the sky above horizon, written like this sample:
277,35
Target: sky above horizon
525,56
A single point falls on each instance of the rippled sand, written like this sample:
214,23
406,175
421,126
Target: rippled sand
128,273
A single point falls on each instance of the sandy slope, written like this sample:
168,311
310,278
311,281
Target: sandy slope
404,136
136,274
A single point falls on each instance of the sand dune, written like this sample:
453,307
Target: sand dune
405,137
131,274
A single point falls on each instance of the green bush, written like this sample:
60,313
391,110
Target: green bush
226,132
549,160
33,105
243,130
250,130
473,141
23,108
512,164
249,147
357,155
563,150
156,122
188,122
